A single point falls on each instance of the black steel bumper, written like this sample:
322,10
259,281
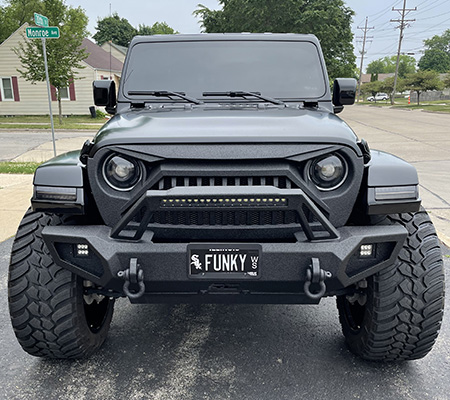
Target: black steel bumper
283,268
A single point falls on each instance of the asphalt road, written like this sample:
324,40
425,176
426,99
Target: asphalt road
183,352
17,142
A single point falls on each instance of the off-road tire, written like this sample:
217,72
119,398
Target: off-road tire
404,306
48,313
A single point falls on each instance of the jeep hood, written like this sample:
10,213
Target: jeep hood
227,125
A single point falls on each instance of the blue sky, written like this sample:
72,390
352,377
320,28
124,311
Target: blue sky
432,17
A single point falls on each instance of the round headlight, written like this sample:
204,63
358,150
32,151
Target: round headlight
121,173
329,172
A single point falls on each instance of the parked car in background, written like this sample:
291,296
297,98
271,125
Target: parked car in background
378,97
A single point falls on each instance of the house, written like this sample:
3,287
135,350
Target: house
116,50
381,77
21,97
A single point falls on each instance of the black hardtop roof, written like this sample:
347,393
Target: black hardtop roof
226,36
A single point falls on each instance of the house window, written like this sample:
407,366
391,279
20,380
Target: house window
7,89
64,93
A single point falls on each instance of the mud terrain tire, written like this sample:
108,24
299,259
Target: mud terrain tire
49,314
404,302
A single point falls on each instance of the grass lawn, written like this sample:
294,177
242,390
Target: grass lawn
10,167
43,122
433,106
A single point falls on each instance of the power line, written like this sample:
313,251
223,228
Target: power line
423,2
365,30
435,16
403,23
426,9
383,12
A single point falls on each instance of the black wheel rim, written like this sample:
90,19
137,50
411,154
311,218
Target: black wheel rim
354,315
96,314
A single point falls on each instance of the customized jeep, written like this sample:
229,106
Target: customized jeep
225,176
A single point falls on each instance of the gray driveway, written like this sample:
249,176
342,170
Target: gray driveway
422,139
184,352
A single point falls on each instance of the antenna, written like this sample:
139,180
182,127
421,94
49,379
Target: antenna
110,48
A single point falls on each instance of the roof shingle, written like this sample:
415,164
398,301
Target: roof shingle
99,58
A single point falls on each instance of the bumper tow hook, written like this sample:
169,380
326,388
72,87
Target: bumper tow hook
316,276
134,275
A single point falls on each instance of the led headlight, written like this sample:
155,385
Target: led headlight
329,172
121,173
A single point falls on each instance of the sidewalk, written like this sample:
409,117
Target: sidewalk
15,194
16,190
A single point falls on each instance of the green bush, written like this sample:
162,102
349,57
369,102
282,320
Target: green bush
99,114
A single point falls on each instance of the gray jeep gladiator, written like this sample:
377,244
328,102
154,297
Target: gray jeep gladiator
225,176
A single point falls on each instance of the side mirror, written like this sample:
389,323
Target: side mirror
105,95
344,93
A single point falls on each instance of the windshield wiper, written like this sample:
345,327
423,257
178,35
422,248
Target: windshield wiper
243,93
165,93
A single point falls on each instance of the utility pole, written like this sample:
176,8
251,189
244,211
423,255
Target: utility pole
403,23
363,52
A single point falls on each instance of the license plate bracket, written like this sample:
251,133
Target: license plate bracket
219,261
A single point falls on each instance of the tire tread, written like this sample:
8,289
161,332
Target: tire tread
407,298
42,296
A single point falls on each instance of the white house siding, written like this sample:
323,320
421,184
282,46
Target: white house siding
102,74
33,98
114,52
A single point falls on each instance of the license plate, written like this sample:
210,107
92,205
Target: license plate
235,261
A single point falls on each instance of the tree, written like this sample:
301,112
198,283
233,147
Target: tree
15,13
64,55
158,28
446,81
387,86
407,65
422,81
387,65
441,42
376,67
371,88
329,20
435,60
115,29
437,53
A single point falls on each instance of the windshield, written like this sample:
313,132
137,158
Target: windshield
283,70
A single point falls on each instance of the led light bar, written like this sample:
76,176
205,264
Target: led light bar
396,193
55,193
225,202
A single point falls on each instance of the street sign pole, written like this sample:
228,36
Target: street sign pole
42,32
49,96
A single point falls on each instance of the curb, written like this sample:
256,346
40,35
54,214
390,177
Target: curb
443,238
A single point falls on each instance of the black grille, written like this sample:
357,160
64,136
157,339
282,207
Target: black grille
169,182
225,217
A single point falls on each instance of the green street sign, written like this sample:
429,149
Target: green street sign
40,20
51,32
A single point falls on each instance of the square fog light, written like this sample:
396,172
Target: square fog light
366,250
82,250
